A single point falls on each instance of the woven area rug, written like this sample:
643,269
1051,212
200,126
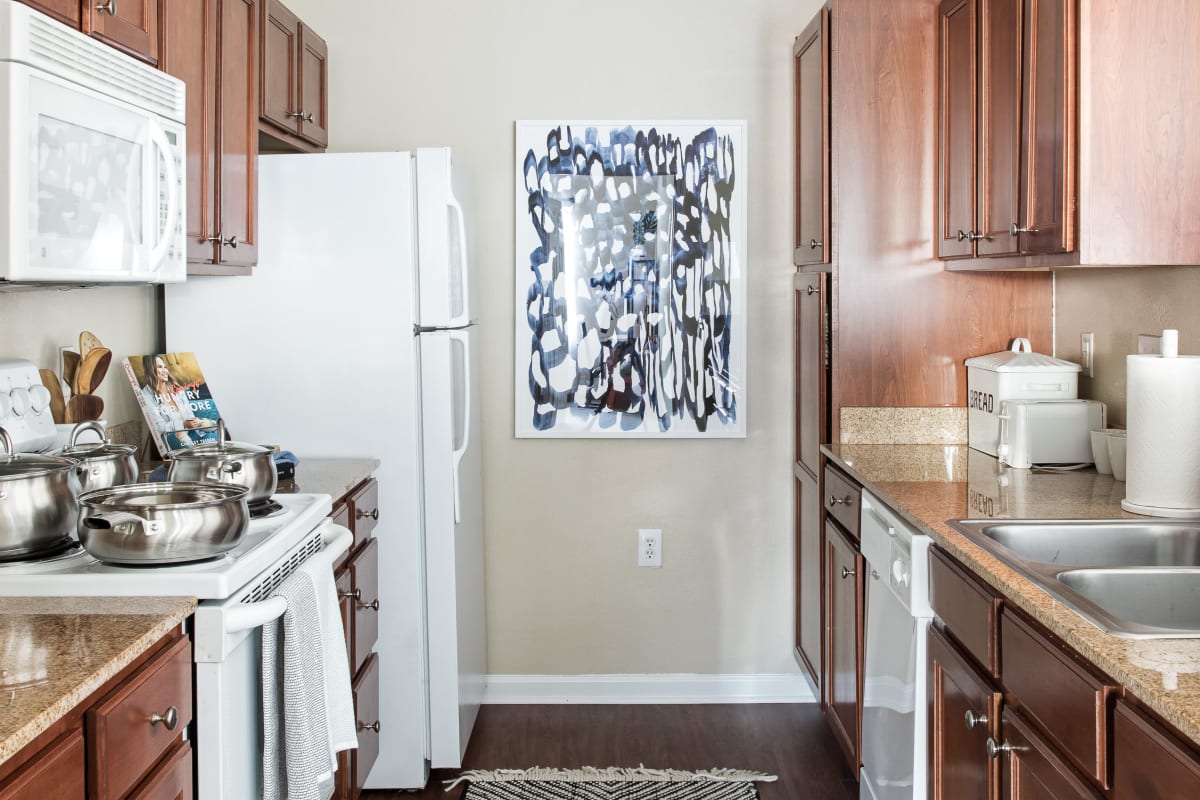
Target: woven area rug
614,783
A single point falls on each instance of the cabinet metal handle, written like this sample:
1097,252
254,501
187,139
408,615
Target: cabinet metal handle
373,514
232,241
994,749
374,726
847,572
971,235
169,719
1014,229
306,116
813,244
833,501
811,290
373,605
972,719
355,595
109,8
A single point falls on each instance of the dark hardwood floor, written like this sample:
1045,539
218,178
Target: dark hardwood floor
791,741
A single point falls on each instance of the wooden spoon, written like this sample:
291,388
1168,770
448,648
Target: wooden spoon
58,405
70,367
92,370
88,341
83,407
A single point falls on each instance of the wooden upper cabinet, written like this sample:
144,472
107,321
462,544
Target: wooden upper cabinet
999,126
294,79
811,370
129,25
811,54
956,128
237,188
67,12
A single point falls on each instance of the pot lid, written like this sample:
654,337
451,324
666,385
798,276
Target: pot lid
28,465
218,449
95,451
1021,358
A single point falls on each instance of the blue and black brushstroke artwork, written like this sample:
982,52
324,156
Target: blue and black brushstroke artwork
629,303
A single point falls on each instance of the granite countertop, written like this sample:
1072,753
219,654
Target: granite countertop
929,484
57,651
331,476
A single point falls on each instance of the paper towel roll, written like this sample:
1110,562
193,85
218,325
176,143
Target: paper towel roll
1162,461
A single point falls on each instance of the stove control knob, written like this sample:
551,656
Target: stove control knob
39,399
20,401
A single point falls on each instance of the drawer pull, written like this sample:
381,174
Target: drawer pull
1014,229
306,116
109,8
972,719
169,720
847,572
373,514
994,750
374,726
813,244
373,605
811,290
355,595
833,501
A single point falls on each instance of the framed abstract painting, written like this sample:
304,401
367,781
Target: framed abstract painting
630,279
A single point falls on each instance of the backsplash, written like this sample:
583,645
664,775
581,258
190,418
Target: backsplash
941,425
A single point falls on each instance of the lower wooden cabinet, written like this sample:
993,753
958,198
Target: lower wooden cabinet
1032,769
1148,761
844,618
808,544
366,713
172,780
963,714
58,771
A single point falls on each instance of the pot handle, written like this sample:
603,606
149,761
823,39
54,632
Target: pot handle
7,441
227,469
90,425
113,520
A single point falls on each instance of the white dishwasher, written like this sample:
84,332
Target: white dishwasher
894,715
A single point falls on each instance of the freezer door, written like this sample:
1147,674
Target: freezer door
453,529
445,291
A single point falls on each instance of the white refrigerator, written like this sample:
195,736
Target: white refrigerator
355,337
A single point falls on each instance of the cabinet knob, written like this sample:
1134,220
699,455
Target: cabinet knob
813,244
232,241
972,719
811,290
373,514
1014,229
306,116
169,720
969,235
833,500
373,605
355,595
374,726
109,8
847,572
994,749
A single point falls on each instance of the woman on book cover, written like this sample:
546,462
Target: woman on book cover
172,411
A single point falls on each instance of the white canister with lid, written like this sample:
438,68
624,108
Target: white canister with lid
1014,374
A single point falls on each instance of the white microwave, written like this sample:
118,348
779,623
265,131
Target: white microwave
92,145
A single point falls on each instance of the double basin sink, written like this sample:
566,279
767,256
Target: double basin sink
1129,577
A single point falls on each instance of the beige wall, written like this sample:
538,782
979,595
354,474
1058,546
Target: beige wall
34,323
564,594
1117,305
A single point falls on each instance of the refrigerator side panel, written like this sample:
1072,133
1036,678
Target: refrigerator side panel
314,352
453,540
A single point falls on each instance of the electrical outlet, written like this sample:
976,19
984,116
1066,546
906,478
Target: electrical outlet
649,547
1087,349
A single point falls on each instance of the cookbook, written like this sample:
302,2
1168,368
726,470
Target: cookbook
175,400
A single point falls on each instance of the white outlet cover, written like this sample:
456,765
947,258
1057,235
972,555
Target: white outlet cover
649,553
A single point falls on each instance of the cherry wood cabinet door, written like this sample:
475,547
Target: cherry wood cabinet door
314,87
366,712
56,772
67,12
1047,209
808,575
811,376
237,186
844,620
956,128
129,25
363,504
963,712
811,54
365,571
280,66
172,780
344,582
1148,761
1000,37
1032,769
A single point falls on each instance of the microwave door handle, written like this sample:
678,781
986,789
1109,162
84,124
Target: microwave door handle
464,318
159,138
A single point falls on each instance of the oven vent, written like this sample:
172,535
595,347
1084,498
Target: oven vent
262,590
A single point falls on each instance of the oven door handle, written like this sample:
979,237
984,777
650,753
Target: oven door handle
246,617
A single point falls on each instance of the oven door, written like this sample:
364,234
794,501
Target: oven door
95,190
228,654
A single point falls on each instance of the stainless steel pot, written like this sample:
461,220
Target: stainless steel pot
105,464
235,463
38,501
162,523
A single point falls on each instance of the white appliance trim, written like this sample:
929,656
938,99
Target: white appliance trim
665,688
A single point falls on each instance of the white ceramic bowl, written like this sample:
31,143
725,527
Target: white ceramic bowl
1100,452
1116,453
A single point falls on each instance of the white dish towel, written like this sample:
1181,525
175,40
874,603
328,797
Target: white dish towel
308,709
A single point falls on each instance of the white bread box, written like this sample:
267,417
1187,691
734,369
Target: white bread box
1014,374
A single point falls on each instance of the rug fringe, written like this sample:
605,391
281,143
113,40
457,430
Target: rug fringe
608,775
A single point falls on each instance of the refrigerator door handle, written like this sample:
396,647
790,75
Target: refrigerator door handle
463,319
460,449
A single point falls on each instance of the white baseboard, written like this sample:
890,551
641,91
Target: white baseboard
644,689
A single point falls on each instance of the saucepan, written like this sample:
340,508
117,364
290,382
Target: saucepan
162,523
234,463
38,500
104,464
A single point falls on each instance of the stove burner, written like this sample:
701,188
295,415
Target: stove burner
61,548
263,509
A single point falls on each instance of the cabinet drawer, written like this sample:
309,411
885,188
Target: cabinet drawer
967,608
364,511
55,772
1068,702
173,778
1149,762
123,741
364,570
842,500
366,712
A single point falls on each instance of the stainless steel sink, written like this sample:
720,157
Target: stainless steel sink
1134,578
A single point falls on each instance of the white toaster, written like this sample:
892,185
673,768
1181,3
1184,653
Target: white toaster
1048,431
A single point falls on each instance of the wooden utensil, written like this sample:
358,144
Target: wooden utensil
70,367
83,407
58,405
88,341
92,370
